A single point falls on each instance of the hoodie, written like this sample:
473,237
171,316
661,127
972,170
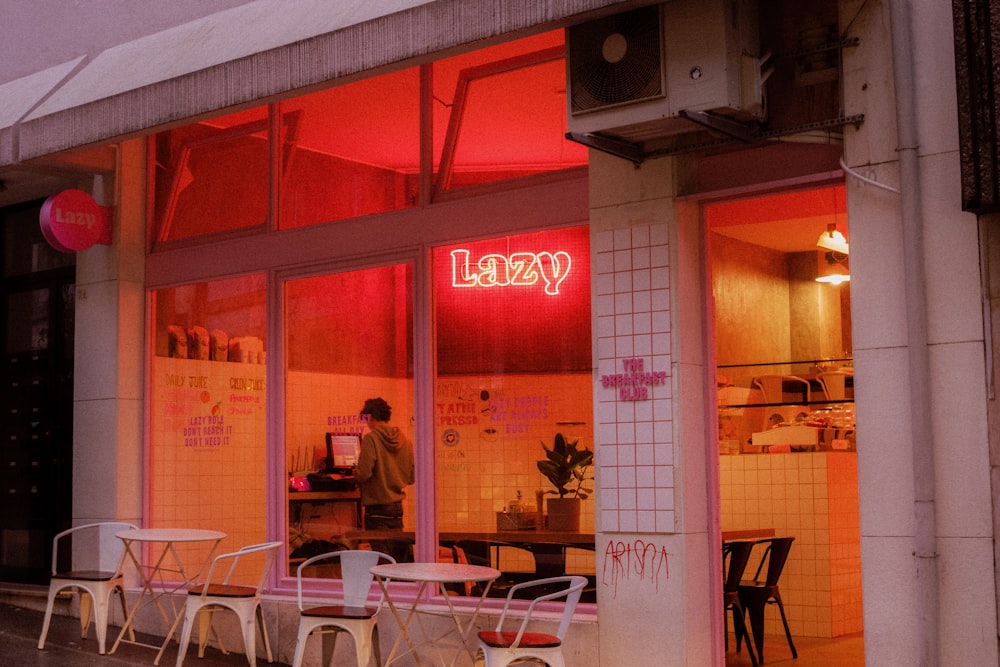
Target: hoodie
385,466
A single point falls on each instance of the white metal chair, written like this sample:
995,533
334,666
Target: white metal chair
773,388
216,592
834,384
354,615
92,559
500,647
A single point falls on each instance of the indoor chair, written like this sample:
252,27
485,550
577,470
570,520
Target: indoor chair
500,647
216,593
88,559
773,388
735,557
354,615
834,384
756,594
498,554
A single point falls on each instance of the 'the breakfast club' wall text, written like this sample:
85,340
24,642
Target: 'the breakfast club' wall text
634,383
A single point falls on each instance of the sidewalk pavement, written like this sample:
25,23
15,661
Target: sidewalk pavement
19,630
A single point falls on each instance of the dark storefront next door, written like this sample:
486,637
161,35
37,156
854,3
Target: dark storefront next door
36,396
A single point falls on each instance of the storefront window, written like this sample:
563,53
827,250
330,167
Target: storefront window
512,318
500,113
212,177
350,151
348,338
355,149
207,409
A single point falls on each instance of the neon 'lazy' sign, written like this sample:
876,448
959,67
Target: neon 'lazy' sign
518,268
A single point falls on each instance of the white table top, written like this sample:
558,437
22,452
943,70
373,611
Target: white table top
170,535
444,573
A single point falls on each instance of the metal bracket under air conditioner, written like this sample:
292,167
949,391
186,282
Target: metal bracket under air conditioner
638,153
617,147
727,126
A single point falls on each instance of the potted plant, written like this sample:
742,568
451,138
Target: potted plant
565,465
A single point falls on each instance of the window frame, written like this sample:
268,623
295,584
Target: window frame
548,201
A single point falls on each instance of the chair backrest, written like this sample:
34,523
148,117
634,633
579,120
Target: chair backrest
355,573
569,587
834,384
230,564
773,387
92,546
736,556
774,556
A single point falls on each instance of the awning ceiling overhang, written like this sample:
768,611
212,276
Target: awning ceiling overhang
241,56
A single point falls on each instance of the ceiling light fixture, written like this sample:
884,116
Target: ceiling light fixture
833,239
832,268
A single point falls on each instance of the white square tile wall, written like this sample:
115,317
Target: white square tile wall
634,420
812,497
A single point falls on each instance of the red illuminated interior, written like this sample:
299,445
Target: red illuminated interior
515,328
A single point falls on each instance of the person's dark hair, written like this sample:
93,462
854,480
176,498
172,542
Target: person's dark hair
377,409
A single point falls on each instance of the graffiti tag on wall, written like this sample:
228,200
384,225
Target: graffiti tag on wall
641,560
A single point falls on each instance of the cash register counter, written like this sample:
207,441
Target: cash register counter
806,438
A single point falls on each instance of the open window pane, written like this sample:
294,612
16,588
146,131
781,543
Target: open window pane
500,113
212,176
351,150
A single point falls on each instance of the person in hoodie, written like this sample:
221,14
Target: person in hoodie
385,468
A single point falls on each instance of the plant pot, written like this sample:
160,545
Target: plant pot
564,514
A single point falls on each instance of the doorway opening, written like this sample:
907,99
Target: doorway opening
785,390
37,291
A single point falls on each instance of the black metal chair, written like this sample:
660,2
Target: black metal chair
756,594
488,553
735,556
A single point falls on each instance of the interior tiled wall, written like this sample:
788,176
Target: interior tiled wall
812,497
484,462
208,450
632,308
485,465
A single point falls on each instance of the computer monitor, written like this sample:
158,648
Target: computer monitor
342,451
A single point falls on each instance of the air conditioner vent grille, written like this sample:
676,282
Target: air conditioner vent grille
616,60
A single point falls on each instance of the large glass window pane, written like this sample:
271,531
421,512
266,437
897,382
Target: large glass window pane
212,176
500,113
348,338
512,318
350,150
207,409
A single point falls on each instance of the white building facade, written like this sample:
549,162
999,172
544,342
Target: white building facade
919,304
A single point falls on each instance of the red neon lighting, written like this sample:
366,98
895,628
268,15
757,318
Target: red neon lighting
518,268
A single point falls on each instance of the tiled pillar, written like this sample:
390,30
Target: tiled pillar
108,382
652,582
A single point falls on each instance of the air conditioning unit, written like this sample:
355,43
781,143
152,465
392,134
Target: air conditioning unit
646,73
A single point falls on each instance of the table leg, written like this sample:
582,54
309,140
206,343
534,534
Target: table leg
463,633
127,625
186,581
463,630
144,591
147,575
402,623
